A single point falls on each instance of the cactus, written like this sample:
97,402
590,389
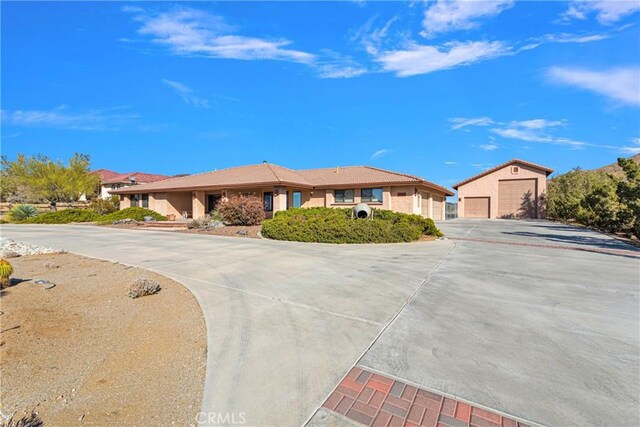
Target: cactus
5,273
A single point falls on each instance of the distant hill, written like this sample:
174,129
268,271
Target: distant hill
616,170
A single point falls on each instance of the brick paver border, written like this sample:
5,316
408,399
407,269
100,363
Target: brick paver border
625,252
379,401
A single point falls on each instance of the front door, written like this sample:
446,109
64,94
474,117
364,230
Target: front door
212,199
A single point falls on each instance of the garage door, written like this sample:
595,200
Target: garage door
517,198
476,207
437,208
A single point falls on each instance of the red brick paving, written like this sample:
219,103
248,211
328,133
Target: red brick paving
378,401
631,252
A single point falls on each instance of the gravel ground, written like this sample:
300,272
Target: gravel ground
229,230
84,353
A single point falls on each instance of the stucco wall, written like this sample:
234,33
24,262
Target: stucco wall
487,186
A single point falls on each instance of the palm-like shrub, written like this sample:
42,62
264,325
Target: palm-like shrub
22,212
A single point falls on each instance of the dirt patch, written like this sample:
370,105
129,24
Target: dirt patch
84,353
230,230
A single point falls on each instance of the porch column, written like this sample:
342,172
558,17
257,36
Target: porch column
386,198
125,201
444,208
152,201
279,199
416,202
197,204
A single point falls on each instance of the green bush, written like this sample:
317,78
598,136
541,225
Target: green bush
131,213
64,217
22,212
328,225
105,206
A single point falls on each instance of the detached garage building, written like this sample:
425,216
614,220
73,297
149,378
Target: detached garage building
514,189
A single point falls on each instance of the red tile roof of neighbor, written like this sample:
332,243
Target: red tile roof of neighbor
139,177
270,174
105,174
549,171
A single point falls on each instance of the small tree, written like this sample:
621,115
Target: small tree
628,192
43,178
241,209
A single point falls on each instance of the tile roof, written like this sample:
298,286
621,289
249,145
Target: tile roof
140,178
270,174
105,174
362,175
500,166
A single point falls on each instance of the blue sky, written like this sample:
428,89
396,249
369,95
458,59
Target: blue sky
441,90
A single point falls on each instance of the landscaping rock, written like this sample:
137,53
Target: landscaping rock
125,221
241,232
44,283
216,224
12,249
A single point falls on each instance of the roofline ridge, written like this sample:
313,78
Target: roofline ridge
500,166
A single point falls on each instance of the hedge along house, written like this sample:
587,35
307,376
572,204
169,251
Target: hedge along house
282,188
514,189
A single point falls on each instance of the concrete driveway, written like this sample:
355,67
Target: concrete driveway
286,321
532,319
545,334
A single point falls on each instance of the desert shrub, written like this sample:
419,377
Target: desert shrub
105,206
64,217
22,212
142,287
30,420
5,273
200,222
136,213
327,225
242,209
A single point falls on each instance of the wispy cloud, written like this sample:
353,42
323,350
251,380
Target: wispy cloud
607,12
60,117
621,84
191,32
186,93
422,59
489,147
380,153
445,15
332,65
634,148
462,122
450,163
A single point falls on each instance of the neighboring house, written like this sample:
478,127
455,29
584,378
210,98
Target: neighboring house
110,180
282,188
514,189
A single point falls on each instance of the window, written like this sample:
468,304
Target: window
372,195
135,200
267,199
515,169
145,200
297,199
344,196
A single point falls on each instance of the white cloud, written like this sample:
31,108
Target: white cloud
634,148
489,147
186,93
607,12
91,120
538,123
192,32
423,59
445,15
621,84
574,38
462,122
450,163
336,66
380,153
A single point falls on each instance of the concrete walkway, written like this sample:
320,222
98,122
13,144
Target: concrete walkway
285,321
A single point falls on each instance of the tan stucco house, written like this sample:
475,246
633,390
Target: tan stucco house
281,188
514,189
